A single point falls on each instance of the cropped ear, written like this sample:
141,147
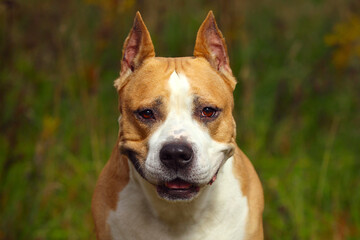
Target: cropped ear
210,44
137,47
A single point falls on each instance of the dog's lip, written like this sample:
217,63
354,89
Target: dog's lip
178,184
177,189
214,177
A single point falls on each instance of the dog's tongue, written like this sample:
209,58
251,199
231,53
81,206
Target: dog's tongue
178,184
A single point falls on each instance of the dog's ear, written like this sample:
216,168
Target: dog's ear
137,47
210,44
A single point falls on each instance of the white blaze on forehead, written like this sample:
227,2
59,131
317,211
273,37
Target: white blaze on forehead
180,101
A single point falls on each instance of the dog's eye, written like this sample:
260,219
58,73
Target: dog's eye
208,112
147,114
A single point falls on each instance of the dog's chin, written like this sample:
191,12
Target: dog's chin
177,190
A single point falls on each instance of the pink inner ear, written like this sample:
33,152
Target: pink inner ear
129,56
217,48
132,49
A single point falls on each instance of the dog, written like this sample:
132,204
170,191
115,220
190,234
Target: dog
175,171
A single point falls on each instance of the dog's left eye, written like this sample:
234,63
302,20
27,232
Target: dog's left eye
147,114
208,112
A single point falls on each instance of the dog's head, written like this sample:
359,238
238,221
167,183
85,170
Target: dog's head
176,123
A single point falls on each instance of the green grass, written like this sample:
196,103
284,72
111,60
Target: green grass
297,106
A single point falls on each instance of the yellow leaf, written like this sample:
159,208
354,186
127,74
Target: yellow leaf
345,38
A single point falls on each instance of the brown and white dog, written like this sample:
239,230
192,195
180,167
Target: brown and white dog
177,136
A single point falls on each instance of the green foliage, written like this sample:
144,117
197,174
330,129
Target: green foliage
297,106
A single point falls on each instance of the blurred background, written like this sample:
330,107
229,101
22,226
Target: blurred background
297,106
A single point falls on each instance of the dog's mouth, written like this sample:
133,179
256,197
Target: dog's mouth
179,189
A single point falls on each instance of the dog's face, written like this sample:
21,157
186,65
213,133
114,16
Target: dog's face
176,123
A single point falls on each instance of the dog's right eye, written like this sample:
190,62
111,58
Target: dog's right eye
146,114
208,112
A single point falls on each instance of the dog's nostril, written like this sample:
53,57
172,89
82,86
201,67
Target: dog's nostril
176,155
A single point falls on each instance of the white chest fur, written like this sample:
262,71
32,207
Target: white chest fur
219,213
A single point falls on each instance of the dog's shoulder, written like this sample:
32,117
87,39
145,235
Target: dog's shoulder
252,189
112,180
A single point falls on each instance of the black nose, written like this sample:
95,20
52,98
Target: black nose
176,155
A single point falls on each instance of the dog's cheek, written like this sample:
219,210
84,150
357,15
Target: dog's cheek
131,130
135,150
222,129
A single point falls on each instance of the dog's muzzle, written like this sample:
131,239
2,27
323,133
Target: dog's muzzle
177,156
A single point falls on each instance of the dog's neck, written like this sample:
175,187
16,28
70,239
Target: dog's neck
177,213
